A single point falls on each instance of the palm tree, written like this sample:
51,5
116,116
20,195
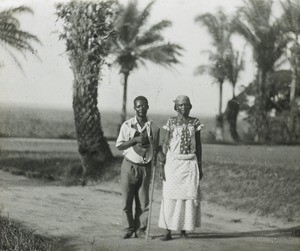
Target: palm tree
218,27
12,37
264,33
86,31
135,43
291,25
234,65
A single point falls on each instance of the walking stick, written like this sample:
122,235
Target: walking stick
151,199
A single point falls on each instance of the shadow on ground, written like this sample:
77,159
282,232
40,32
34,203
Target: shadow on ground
286,232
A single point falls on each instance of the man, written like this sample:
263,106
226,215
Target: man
138,139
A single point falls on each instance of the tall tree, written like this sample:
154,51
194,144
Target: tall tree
87,27
12,37
234,65
291,26
136,43
218,28
264,33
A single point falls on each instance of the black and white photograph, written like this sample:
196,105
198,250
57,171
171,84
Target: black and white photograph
150,125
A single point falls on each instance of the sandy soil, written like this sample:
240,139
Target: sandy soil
90,217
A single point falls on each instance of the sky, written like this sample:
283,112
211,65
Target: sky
46,80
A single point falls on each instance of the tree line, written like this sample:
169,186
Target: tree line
94,30
274,114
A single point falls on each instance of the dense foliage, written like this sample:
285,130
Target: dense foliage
274,113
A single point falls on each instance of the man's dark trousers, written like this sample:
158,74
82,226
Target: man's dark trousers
135,182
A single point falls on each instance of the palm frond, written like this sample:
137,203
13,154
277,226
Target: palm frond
212,24
217,26
234,64
19,40
20,9
15,59
130,20
7,16
9,20
142,18
138,43
165,54
12,36
126,19
241,28
160,26
291,16
153,34
209,70
201,69
148,39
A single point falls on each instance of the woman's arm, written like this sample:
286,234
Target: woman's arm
163,152
199,152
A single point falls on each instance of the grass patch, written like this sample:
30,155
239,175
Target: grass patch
260,179
13,236
59,168
45,166
267,190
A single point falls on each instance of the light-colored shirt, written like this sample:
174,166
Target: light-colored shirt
127,131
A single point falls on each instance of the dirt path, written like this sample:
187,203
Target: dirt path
90,216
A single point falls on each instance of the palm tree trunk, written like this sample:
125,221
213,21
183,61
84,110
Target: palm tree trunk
220,98
262,121
92,145
292,124
124,104
219,119
233,91
295,81
232,112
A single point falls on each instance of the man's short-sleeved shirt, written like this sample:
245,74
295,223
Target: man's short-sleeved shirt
127,132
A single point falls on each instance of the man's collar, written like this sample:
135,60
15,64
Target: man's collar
135,121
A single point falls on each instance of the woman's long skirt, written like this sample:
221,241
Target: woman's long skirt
180,206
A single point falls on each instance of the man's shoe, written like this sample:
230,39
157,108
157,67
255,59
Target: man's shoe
140,234
127,234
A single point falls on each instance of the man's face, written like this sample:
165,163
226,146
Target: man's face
183,107
141,107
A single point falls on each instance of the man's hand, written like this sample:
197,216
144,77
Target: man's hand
162,171
141,139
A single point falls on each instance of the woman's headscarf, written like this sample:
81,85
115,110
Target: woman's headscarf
181,98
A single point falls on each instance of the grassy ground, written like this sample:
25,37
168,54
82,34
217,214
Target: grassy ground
45,166
256,179
15,237
260,179
272,191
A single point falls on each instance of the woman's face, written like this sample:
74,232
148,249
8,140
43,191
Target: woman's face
183,107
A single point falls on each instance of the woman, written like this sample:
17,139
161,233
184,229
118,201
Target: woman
182,171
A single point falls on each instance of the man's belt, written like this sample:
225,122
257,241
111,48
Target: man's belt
139,164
